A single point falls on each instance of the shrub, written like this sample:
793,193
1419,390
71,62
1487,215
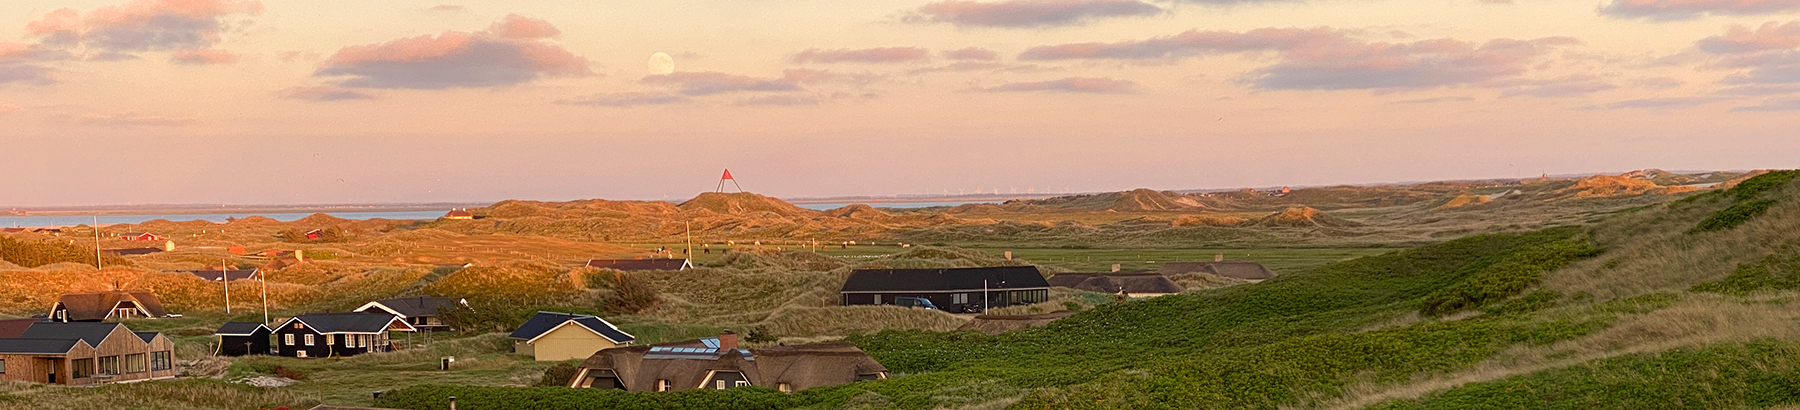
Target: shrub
760,334
623,293
558,375
1774,272
1733,216
1754,186
1507,278
35,254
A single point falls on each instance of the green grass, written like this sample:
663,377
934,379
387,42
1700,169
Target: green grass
1281,260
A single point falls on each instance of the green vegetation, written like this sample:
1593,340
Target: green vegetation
1775,272
1758,374
33,254
1733,216
1507,278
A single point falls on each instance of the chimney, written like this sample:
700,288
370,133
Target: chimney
1219,257
727,340
1115,267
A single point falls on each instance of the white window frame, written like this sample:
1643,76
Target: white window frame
662,385
330,338
719,384
742,383
289,338
309,339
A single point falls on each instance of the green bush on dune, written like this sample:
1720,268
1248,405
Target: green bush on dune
1507,278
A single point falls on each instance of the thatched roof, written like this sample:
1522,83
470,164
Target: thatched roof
800,367
97,305
1133,282
639,264
1227,269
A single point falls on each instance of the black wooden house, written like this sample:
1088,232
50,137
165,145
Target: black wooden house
952,290
337,334
243,338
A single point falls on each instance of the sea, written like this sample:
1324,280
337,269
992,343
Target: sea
9,221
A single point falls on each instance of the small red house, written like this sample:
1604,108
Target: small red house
314,234
141,236
462,214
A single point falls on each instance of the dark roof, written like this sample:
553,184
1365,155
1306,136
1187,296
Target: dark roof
133,251
146,336
1227,269
901,280
1135,282
800,366
543,322
12,328
239,328
417,306
215,274
98,305
353,322
637,264
37,346
91,332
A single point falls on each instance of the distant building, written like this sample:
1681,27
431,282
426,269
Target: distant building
337,334
15,230
108,305
1137,284
461,214
953,290
629,265
141,236
1250,271
80,354
315,234
243,338
550,336
717,363
419,311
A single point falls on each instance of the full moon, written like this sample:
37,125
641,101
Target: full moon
660,63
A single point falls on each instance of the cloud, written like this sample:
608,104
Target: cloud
626,99
1084,85
1561,87
134,120
519,27
1660,103
865,55
324,93
1782,67
1434,100
1759,90
1324,58
22,63
512,52
26,74
972,53
1688,9
116,32
206,56
1029,13
1776,105
779,100
698,83
9,109
1658,83
1742,39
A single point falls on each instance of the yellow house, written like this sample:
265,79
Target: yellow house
550,336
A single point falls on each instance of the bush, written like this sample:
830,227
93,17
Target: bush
35,254
1774,272
760,334
623,293
1507,278
1733,216
558,375
1754,186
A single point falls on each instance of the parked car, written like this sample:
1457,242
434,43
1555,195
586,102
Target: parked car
914,302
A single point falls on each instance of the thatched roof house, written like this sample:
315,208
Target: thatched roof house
640,264
1250,271
112,304
1133,283
717,363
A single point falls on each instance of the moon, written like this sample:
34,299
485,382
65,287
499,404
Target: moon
661,63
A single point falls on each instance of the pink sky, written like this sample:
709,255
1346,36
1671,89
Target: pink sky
326,101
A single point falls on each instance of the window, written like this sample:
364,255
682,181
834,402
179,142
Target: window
663,385
309,340
784,387
297,325
959,298
2,366
160,360
81,368
329,339
134,363
109,365
288,338
878,298
719,384
742,383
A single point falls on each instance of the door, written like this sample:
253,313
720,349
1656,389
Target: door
49,367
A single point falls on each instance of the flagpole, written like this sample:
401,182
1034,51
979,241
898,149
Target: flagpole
225,275
97,263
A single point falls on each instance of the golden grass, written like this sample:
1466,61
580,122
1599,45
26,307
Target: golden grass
1650,251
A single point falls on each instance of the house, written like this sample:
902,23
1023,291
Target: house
243,338
235,249
141,236
952,290
215,275
629,265
461,214
132,251
84,354
1250,271
1138,284
337,334
15,230
419,311
108,305
718,363
550,336
315,234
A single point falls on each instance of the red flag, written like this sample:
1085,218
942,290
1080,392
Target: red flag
727,174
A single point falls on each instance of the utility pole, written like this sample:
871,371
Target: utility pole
265,294
984,294
97,263
690,241
225,275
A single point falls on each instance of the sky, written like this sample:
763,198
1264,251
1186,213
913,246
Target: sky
339,101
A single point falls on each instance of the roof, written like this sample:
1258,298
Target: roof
12,328
459,213
147,337
38,346
902,280
239,329
352,322
91,332
638,264
411,307
1227,269
133,251
98,305
137,234
800,366
215,274
1136,282
544,322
